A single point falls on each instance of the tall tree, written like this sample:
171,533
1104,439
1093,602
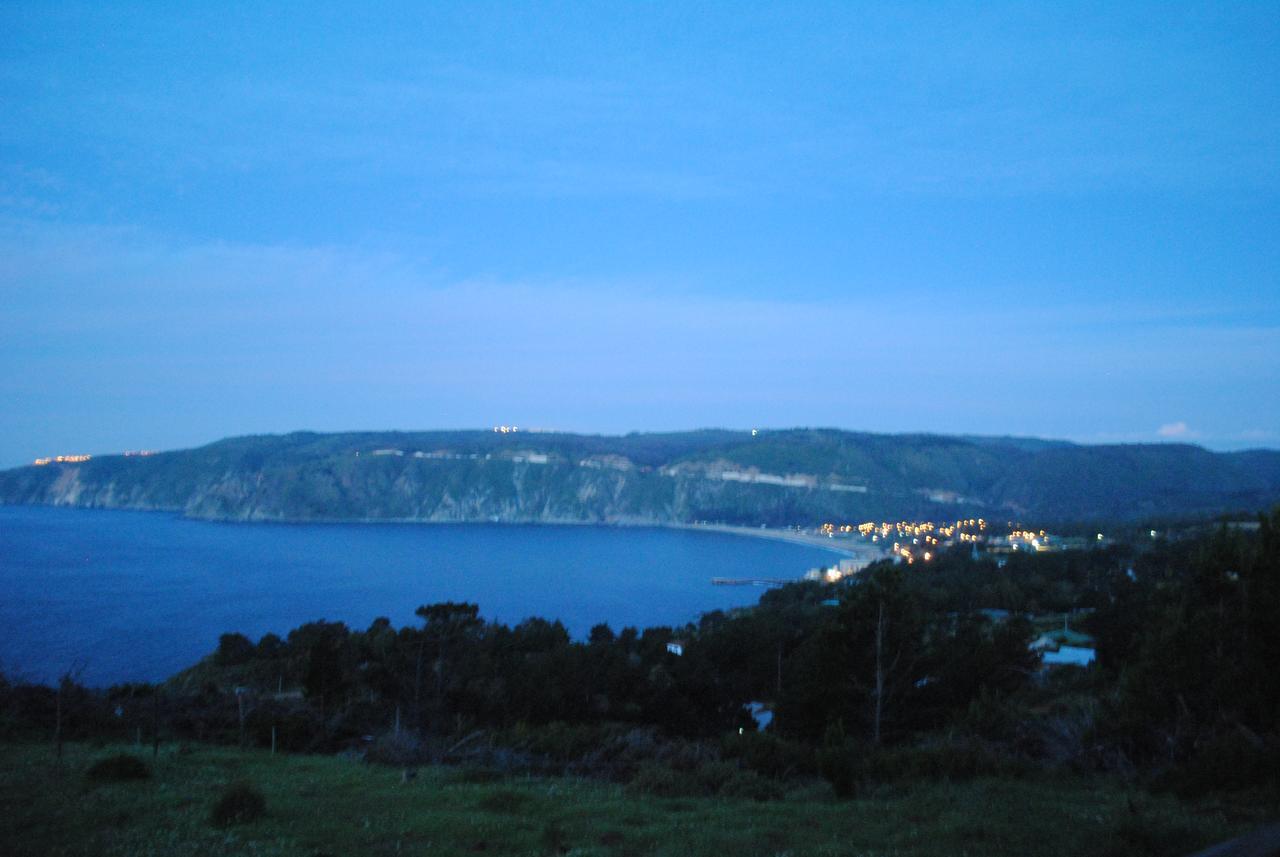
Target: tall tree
446,626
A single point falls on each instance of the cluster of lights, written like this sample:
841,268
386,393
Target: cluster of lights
1028,537
506,429
915,529
134,453
913,540
921,539
61,459
907,554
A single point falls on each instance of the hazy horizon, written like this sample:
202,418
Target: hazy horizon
534,431
953,219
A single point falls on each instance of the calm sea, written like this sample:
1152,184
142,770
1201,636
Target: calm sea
136,596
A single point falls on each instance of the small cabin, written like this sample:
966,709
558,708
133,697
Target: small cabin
1074,656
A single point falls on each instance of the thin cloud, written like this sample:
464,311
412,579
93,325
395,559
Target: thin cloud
243,337
1178,430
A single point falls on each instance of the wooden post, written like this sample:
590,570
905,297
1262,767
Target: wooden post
57,722
155,723
417,685
879,691
273,740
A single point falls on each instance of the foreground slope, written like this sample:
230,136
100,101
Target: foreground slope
799,476
317,805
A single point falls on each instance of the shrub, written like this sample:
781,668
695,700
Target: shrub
561,741
395,750
620,755
298,726
842,767
712,776
942,760
240,803
119,768
661,781
1228,763
750,785
769,755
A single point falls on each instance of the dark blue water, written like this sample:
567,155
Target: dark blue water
131,596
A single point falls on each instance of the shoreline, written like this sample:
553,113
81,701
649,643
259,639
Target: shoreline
759,532
774,534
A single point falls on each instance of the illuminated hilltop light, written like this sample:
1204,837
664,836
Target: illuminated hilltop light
506,429
61,459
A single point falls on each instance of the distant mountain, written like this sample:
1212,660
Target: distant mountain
797,476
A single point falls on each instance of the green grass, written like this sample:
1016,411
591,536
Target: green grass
321,805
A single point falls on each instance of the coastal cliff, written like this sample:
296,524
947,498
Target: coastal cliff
775,478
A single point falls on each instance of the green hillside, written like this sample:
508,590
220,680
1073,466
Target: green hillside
799,476
337,806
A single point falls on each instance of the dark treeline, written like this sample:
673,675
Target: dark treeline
925,667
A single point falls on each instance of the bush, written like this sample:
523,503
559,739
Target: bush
119,769
842,767
712,776
620,756
769,755
1228,763
240,803
395,750
661,781
560,741
750,785
942,760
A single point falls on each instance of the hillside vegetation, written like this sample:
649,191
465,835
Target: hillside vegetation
910,712
317,805
776,478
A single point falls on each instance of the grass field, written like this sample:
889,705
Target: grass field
333,806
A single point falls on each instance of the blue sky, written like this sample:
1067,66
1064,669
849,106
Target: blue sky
1046,219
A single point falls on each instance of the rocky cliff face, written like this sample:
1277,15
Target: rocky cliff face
799,477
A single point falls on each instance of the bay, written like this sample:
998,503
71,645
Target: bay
136,596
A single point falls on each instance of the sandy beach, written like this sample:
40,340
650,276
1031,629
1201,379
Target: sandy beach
841,546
